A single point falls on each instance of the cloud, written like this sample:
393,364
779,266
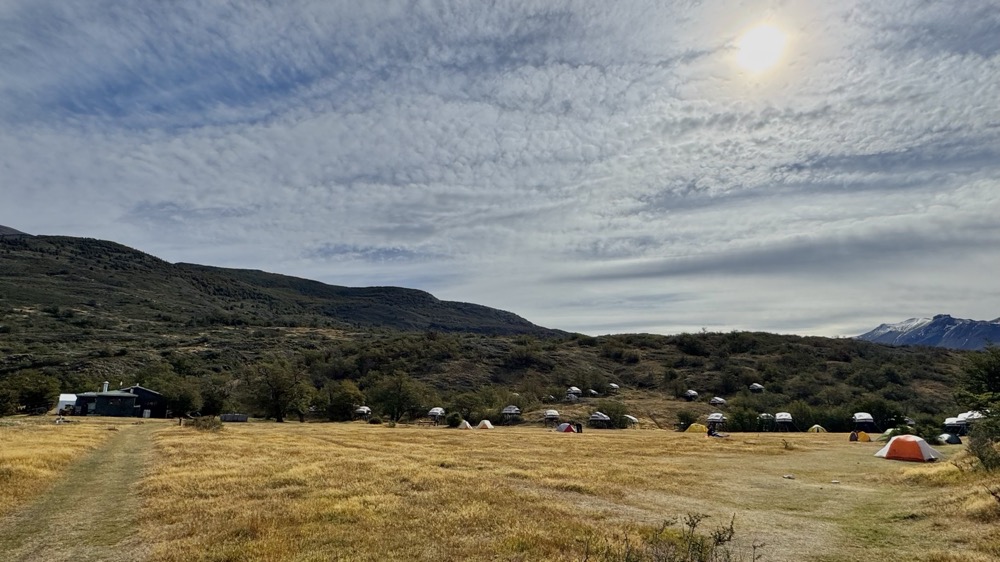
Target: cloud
557,159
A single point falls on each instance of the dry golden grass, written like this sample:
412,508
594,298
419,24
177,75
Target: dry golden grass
357,492
34,452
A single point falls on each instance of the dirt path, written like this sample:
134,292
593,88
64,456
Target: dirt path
88,515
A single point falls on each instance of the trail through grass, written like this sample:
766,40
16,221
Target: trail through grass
88,515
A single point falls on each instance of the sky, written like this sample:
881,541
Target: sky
597,167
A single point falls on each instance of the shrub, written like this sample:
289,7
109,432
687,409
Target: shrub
206,423
685,418
984,440
453,419
375,420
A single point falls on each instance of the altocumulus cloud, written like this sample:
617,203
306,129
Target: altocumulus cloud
591,166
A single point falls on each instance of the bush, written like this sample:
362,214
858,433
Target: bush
453,419
206,423
685,418
375,420
984,442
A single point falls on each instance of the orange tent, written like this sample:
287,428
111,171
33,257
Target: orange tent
908,448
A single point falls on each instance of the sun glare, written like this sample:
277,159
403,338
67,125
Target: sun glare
760,48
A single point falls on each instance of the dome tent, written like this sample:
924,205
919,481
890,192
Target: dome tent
950,439
908,448
464,425
690,395
566,428
817,429
756,387
696,428
551,415
485,424
863,421
783,422
717,401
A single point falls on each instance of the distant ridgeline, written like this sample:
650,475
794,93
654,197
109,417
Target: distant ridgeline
80,273
939,331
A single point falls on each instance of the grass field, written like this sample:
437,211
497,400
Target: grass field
34,452
311,492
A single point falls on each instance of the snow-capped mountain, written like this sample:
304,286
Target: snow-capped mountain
940,331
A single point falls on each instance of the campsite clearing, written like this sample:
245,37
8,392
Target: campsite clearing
310,492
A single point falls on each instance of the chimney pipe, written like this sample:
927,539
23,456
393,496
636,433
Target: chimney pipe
105,387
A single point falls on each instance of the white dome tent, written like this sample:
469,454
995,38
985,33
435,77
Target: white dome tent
600,419
783,422
436,414
863,421
717,401
613,388
363,412
756,388
510,414
550,416
690,395
632,420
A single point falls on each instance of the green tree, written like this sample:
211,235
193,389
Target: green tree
278,387
981,391
981,386
341,399
397,394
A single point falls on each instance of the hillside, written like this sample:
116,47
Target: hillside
76,312
939,331
106,282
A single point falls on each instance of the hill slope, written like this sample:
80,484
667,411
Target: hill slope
109,279
940,331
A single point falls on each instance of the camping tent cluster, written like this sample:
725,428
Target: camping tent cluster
485,424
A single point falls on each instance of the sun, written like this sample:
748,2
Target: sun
760,48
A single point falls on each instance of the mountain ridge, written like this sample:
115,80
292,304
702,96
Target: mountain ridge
73,272
941,330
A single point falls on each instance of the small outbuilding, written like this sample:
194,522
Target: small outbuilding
66,403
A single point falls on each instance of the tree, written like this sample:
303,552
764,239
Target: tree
982,378
397,394
278,387
981,390
341,398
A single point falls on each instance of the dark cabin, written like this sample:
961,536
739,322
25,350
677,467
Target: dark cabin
107,403
148,403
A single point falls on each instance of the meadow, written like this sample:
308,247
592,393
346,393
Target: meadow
351,491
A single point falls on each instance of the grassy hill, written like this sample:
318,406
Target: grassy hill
76,312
